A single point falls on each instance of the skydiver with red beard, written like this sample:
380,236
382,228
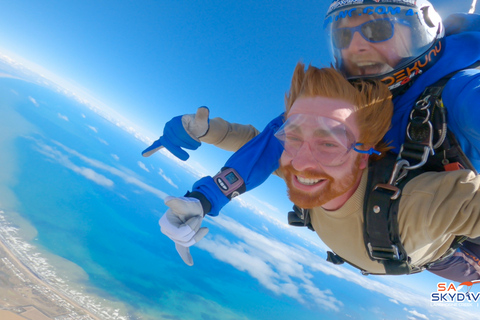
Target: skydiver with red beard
332,138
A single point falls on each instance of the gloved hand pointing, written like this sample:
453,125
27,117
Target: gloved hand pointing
181,223
182,132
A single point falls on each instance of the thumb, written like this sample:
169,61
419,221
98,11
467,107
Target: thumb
184,253
202,114
202,232
199,127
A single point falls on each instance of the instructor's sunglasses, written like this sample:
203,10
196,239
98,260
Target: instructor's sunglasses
373,31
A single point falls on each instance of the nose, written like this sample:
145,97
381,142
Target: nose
304,159
358,43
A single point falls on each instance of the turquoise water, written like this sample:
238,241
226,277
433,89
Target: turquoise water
111,230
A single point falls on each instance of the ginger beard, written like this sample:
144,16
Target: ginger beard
332,188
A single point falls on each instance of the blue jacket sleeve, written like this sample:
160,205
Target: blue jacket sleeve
254,162
460,97
461,22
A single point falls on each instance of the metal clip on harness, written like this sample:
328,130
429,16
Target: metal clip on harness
419,144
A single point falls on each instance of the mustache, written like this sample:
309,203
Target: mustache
308,174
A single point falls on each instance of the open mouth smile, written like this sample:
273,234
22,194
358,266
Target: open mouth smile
308,182
370,67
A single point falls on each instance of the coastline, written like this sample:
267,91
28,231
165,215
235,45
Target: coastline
29,286
28,293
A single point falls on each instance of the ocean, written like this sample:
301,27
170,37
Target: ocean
74,188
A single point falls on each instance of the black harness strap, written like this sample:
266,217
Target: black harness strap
380,212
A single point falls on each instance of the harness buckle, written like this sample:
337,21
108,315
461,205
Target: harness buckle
419,133
427,150
384,253
396,191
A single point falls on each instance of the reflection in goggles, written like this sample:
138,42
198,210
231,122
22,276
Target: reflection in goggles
373,31
329,140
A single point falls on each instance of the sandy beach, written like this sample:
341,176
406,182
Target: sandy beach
30,289
24,296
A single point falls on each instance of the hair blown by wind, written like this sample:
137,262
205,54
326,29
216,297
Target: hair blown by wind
371,99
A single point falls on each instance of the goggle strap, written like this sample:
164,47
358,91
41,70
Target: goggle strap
369,151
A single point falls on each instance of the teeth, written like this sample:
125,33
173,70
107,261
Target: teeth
308,182
366,64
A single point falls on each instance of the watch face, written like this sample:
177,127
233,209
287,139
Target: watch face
230,183
231,177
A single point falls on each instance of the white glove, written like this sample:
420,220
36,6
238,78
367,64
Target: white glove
181,223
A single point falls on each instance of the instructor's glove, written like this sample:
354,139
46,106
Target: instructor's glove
182,132
181,223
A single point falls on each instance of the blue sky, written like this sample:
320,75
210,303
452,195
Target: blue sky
147,61
152,60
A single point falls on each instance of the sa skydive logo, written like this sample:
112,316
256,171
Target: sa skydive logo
448,293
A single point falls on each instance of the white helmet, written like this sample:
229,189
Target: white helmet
407,38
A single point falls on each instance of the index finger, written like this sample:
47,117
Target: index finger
157,145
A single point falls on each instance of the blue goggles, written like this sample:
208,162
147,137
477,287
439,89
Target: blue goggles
373,31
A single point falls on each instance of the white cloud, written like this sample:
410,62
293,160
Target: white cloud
143,166
271,214
93,128
416,314
65,161
61,116
92,175
127,177
276,265
103,141
89,173
35,103
114,156
162,174
288,269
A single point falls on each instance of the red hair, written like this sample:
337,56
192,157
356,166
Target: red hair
371,99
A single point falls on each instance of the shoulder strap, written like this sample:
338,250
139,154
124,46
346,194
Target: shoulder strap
381,232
